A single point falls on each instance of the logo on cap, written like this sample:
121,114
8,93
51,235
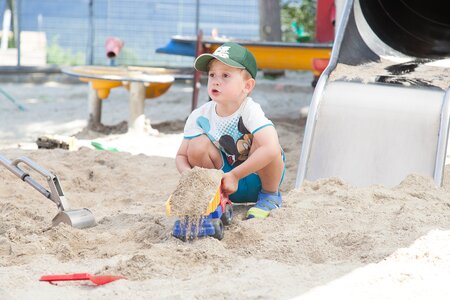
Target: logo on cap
222,51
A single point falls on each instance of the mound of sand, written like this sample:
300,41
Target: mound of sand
413,73
325,230
329,240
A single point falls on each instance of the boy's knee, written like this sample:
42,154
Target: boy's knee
202,153
198,146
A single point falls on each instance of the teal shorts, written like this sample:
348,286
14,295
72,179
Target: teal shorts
250,186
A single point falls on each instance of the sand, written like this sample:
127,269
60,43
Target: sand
194,191
410,73
329,240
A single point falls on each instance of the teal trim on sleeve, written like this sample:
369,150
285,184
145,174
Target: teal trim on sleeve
259,128
192,136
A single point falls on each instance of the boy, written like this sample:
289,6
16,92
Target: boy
232,133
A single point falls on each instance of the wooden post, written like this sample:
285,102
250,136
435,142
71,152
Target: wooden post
270,26
137,98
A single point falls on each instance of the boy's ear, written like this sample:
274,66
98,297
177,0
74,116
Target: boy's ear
249,85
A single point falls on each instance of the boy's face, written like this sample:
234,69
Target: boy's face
228,84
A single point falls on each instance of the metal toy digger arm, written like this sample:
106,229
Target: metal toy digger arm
78,218
56,193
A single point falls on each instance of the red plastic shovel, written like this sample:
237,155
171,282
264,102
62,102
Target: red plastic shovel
97,279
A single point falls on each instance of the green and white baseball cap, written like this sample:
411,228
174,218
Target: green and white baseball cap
231,54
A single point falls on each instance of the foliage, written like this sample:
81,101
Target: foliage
298,19
11,41
60,56
127,57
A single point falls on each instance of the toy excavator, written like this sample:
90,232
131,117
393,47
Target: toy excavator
218,213
78,218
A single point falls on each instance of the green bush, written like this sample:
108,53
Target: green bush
60,56
11,41
298,20
127,57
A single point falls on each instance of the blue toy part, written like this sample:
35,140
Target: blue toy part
181,230
209,226
217,213
185,48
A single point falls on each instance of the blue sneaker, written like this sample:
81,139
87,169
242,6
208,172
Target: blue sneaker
264,204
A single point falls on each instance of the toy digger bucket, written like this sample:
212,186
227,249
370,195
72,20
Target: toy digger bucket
78,218
212,205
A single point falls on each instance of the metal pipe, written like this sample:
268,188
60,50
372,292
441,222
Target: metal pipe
16,27
197,16
91,35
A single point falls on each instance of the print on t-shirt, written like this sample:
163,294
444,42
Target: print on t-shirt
237,151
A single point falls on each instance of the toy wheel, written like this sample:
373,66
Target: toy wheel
227,215
218,229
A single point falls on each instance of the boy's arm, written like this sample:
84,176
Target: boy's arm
267,149
181,160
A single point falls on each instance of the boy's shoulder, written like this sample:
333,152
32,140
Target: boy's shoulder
252,105
205,107
250,101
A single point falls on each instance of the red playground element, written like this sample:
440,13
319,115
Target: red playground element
96,279
113,45
325,21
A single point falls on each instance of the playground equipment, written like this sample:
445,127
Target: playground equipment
308,56
269,55
78,218
376,116
218,213
142,82
113,45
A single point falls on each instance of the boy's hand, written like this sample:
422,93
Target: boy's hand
229,183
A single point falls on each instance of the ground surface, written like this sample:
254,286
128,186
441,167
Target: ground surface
329,240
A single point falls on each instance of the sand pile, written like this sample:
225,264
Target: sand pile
412,73
194,191
329,240
324,231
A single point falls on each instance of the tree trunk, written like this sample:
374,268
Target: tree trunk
270,27
269,20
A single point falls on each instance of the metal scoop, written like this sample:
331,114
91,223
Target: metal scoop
78,218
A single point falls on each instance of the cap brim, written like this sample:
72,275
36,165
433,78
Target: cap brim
201,63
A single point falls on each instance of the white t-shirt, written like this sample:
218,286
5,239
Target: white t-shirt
233,134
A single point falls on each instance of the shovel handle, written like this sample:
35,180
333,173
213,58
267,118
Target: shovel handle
65,277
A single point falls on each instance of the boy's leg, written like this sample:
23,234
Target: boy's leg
269,197
202,153
271,174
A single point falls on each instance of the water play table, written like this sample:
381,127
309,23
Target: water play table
142,83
